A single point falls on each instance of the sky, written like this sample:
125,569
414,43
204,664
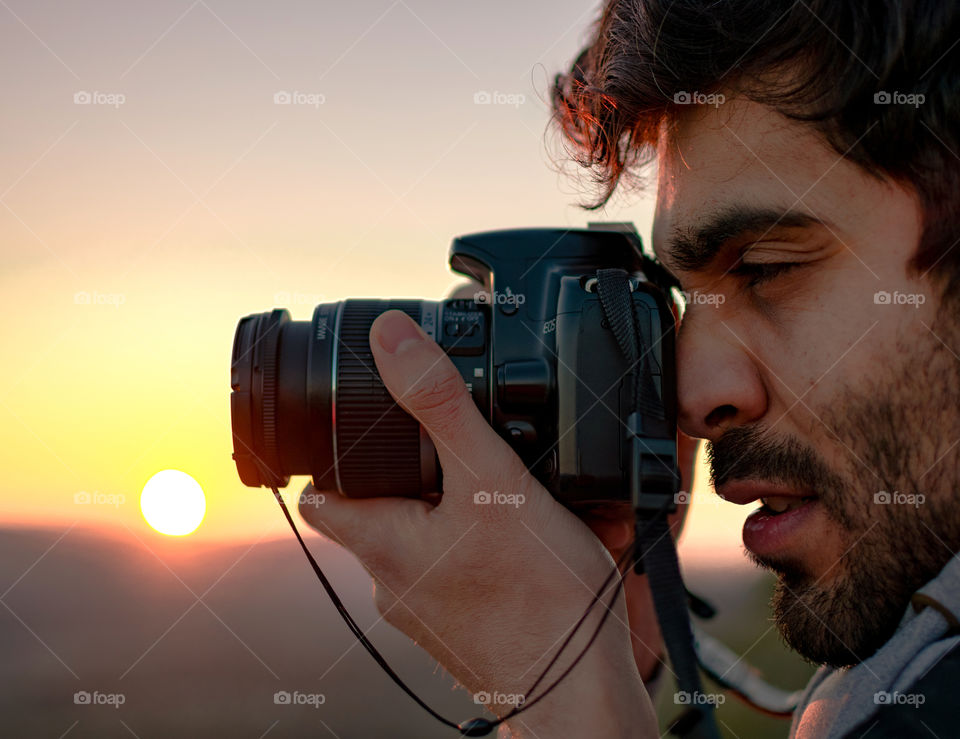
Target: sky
166,168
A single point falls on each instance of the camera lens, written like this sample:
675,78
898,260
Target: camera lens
307,399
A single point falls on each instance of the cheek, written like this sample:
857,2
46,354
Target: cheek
821,340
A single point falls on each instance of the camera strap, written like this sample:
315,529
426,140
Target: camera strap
654,482
477,726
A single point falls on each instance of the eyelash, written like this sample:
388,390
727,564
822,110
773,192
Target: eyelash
759,272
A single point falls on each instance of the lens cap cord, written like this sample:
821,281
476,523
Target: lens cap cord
654,483
476,726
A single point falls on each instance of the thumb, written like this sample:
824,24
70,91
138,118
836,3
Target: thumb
423,380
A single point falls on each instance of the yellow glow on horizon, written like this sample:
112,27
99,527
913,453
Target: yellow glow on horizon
173,503
135,237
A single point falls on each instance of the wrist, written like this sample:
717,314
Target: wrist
602,696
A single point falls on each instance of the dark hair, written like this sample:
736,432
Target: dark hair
819,61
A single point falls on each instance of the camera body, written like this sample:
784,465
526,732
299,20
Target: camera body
532,345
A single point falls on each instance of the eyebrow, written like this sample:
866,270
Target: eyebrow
693,249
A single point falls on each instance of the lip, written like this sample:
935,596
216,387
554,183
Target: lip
743,492
781,535
773,535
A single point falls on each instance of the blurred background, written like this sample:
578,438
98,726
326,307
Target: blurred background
166,168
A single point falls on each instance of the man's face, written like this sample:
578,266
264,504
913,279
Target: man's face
824,374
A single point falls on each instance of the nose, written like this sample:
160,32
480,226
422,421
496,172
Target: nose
718,382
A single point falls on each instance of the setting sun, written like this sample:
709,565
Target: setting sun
173,503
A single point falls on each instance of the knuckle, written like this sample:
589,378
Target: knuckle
309,512
439,395
386,605
383,567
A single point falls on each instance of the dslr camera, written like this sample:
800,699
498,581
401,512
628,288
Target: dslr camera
534,346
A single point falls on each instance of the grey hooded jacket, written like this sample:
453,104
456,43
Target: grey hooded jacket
908,688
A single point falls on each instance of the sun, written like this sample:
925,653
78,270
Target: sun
173,503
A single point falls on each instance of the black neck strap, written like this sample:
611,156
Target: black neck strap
654,482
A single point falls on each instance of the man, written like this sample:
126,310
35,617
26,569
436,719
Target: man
808,181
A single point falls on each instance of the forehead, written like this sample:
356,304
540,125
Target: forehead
742,154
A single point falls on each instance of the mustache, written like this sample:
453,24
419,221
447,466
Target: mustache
751,452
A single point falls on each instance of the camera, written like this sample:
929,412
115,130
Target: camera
533,344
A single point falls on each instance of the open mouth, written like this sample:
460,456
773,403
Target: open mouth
786,520
776,505
782,525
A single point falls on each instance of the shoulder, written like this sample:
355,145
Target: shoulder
927,708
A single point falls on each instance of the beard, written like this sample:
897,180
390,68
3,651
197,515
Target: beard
896,432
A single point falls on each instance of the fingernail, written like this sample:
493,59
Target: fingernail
396,331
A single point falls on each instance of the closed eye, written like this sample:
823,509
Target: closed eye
759,272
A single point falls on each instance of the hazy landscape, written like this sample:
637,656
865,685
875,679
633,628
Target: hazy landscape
197,640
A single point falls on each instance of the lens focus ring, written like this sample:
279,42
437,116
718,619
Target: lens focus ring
378,443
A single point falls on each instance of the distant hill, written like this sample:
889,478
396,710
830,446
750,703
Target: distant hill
105,616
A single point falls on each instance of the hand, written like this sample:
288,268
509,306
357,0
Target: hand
617,533
490,590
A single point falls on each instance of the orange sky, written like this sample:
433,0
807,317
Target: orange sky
182,196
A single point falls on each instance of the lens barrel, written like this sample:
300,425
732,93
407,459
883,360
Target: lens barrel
307,399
